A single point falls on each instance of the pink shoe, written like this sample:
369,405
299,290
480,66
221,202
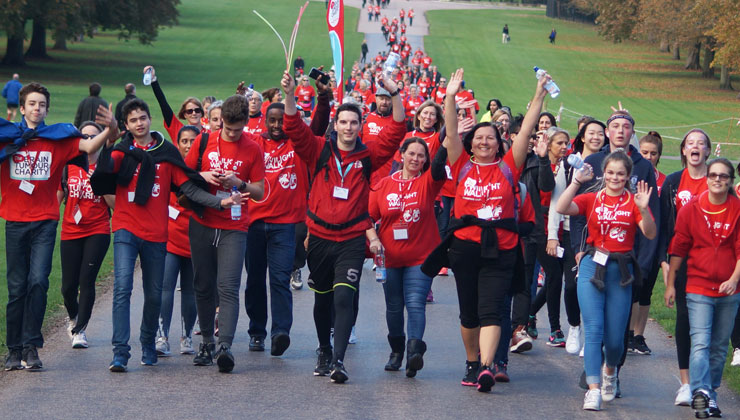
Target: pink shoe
443,271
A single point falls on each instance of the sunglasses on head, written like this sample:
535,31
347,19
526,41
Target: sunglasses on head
193,110
714,176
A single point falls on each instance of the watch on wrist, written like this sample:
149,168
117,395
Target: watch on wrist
243,186
394,93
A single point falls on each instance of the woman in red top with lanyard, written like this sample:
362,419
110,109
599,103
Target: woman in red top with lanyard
483,239
84,241
191,109
707,236
404,203
605,275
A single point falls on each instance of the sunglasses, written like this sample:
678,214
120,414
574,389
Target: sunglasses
193,110
715,176
87,136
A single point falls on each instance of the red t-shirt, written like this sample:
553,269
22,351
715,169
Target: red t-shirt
411,104
612,221
178,224
256,125
41,163
485,187
243,157
304,95
688,188
659,180
147,222
406,208
426,61
85,214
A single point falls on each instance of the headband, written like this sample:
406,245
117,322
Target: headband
618,116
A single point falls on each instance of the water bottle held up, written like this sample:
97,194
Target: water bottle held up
575,161
391,63
380,273
236,209
147,77
550,86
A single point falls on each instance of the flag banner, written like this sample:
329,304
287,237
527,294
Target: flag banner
335,23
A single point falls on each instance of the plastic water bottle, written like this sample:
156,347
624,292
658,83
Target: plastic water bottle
380,274
575,161
549,86
391,63
147,77
236,209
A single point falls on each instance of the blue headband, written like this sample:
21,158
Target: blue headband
617,116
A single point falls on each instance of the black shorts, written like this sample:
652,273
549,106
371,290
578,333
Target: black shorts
333,264
12,106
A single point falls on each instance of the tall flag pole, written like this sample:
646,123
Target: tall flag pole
335,23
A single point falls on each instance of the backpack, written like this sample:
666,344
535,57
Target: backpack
516,188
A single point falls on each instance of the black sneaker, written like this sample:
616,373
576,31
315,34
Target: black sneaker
280,343
486,380
700,404
205,355
324,359
338,373
631,342
13,361
224,359
30,358
714,411
639,345
296,282
257,343
471,373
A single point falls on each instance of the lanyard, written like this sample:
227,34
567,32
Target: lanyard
606,227
409,183
339,169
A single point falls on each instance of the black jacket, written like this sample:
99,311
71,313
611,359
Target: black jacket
88,109
668,213
538,177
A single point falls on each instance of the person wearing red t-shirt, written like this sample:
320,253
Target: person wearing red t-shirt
231,160
178,263
403,33
384,21
31,167
707,242
376,9
482,244
191,109
142,170
337,215
411,17
370,12
305,96
392,39
439,92
402,14
415,61
256,124
426,62
404,202
605,274
412,102
375,122
84,241
678,190
467,95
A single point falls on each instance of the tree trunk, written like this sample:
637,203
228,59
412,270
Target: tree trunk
14,52
707,71
37,49
692,60
676,51
60,40
665,46
724,78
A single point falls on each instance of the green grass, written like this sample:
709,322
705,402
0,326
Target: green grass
592,74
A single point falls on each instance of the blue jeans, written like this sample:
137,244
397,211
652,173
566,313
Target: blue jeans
175,265
406,286
710,321
502,352
605,315
126,247
29,247
270,245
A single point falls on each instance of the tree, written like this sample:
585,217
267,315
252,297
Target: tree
139,18
616,21
14,22
725,29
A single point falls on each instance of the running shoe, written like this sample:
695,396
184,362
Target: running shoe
280,343
338,373
186,345
500,373
580,354
30,358
541,278
443,272
324,359
352,336
224,358
700,404
573,343
520,340
205,355
471,373
640,347
215,325
486,380
256,343
714,411
735,357
296,282
163,346
119,364
13,361
592,400
71,322
532,327
683,395
79,341
149,355
631,342
557,339
608,385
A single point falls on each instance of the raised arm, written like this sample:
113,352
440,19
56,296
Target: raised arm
399,114
167,112
288,85
521,140
452,140
109,134
642,199
320,120
565,204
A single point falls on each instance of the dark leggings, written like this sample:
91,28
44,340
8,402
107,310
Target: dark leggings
299,259
683,339
522,300
736,332
570,298
81,260
552,291
648,283
342,302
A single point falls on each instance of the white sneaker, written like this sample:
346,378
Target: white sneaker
581,353
608,386
683,395
186,345
163,346
573,342
735,357
352,337
592,400
79,341
70,326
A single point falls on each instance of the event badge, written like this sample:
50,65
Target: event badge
601,256
560,251
485,213
77,214
131,195
341,193
400,231
27,187
174,213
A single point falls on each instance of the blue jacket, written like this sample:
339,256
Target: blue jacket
10,92
642,170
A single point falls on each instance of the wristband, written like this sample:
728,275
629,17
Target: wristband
243,186
394,93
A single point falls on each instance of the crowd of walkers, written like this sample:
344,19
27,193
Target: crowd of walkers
266,182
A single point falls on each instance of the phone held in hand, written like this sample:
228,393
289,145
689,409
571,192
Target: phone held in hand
319,75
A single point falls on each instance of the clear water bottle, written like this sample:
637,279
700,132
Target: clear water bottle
236,209
147,77
380,274
391,63
549,86
575,161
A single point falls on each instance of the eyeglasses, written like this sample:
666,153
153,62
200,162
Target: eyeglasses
87,136
193,110
715,176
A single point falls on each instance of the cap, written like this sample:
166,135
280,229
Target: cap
382,92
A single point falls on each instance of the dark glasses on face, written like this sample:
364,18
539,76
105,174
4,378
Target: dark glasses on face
193,110
714,176
87,136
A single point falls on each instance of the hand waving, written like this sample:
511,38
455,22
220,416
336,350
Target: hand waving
642,197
